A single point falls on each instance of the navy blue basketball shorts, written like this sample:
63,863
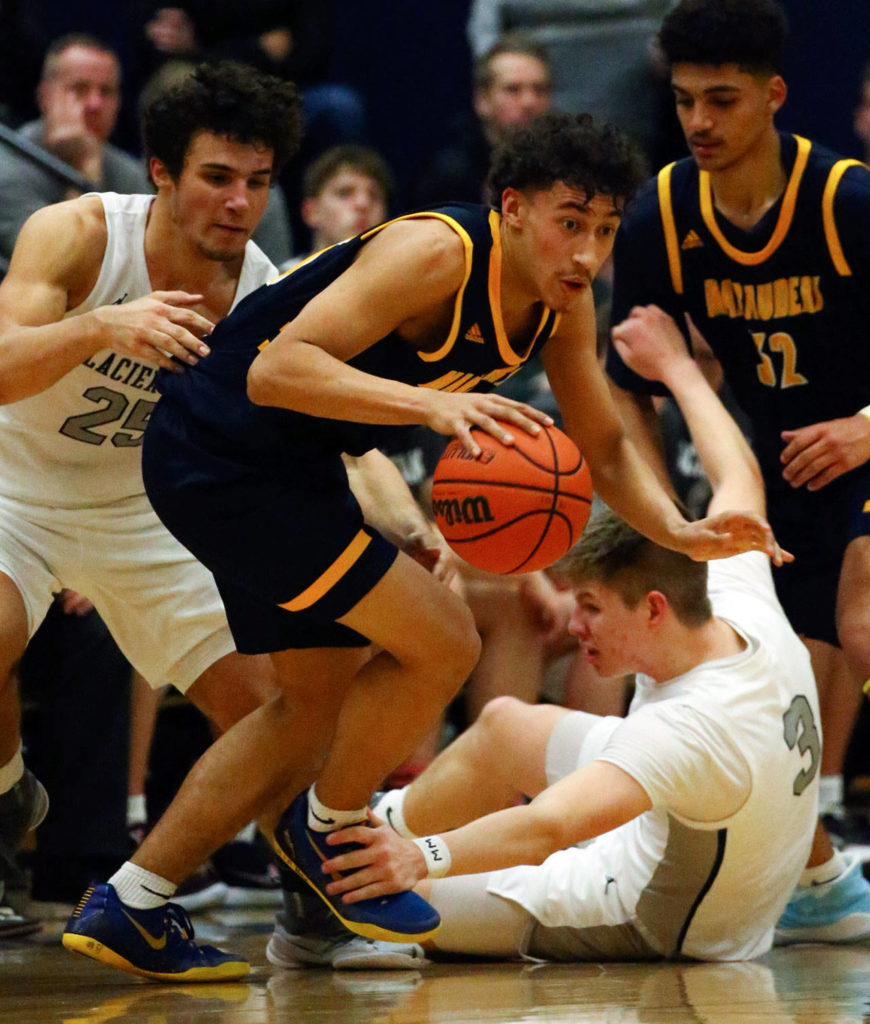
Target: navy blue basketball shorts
289,556
817,528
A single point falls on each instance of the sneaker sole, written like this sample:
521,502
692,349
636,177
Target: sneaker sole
367,930
95,950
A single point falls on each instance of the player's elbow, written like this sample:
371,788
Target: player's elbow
266,385
550,829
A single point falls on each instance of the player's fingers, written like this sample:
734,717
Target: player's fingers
495,428
519,417
178,297
462,433
181,343
192,321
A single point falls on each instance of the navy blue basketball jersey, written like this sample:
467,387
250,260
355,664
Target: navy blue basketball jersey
211,399
785,306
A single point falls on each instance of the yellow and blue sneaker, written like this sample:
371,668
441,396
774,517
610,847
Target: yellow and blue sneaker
153,943
399,917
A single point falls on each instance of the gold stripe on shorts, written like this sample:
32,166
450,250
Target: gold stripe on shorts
326,580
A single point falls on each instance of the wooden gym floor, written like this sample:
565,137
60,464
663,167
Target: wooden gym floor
40,982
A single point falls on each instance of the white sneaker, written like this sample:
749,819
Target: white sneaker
351,953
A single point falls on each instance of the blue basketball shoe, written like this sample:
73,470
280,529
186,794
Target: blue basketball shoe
400,917
155,943
836,911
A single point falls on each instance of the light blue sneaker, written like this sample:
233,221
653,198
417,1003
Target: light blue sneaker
836,911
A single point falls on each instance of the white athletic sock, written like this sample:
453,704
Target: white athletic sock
327,819
247,834
390,808
826,872
137,813
140,888
12,771
831,793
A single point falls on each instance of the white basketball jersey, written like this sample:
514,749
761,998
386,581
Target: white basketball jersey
77,443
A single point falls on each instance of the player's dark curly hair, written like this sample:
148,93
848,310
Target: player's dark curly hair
749,33
596,158
226,98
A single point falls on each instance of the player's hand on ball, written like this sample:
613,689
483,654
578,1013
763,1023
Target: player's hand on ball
731,533
455,414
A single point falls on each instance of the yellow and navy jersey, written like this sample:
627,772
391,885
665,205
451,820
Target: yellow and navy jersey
785,306
475,354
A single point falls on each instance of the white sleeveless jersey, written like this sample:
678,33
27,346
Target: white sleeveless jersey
77,444
729,755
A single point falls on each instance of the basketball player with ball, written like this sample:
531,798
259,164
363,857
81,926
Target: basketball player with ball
414,322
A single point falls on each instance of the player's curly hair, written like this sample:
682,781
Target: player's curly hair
749,33
226,98
596,158
614,553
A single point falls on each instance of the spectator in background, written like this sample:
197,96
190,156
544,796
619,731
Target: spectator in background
79,99
345,192
512,86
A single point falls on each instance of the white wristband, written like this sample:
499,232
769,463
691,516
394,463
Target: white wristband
865,411
437,855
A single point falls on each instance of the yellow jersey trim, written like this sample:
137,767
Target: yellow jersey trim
783,223
831,235
672,243
439,353
505,349
327,580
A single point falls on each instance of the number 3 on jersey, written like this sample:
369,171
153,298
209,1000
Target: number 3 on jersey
113,407
799,730
782,345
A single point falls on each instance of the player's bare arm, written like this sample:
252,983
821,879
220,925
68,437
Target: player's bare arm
405,279
650,343
619,474
55,265
389,506
815,455
593,800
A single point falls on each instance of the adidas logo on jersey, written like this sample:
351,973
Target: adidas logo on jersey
692,241
474,333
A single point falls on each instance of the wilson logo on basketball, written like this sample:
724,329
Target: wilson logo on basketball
456,450
473,509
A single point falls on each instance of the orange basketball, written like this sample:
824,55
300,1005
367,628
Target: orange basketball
515,508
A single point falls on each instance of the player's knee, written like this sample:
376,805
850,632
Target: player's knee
498,718
456,647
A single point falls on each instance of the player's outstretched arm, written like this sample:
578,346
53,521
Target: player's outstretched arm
55,265
620,476
650,343
593,800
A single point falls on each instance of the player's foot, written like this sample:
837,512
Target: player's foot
400,917
22,808
154,943
202,890
836,911
308,934
344,952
